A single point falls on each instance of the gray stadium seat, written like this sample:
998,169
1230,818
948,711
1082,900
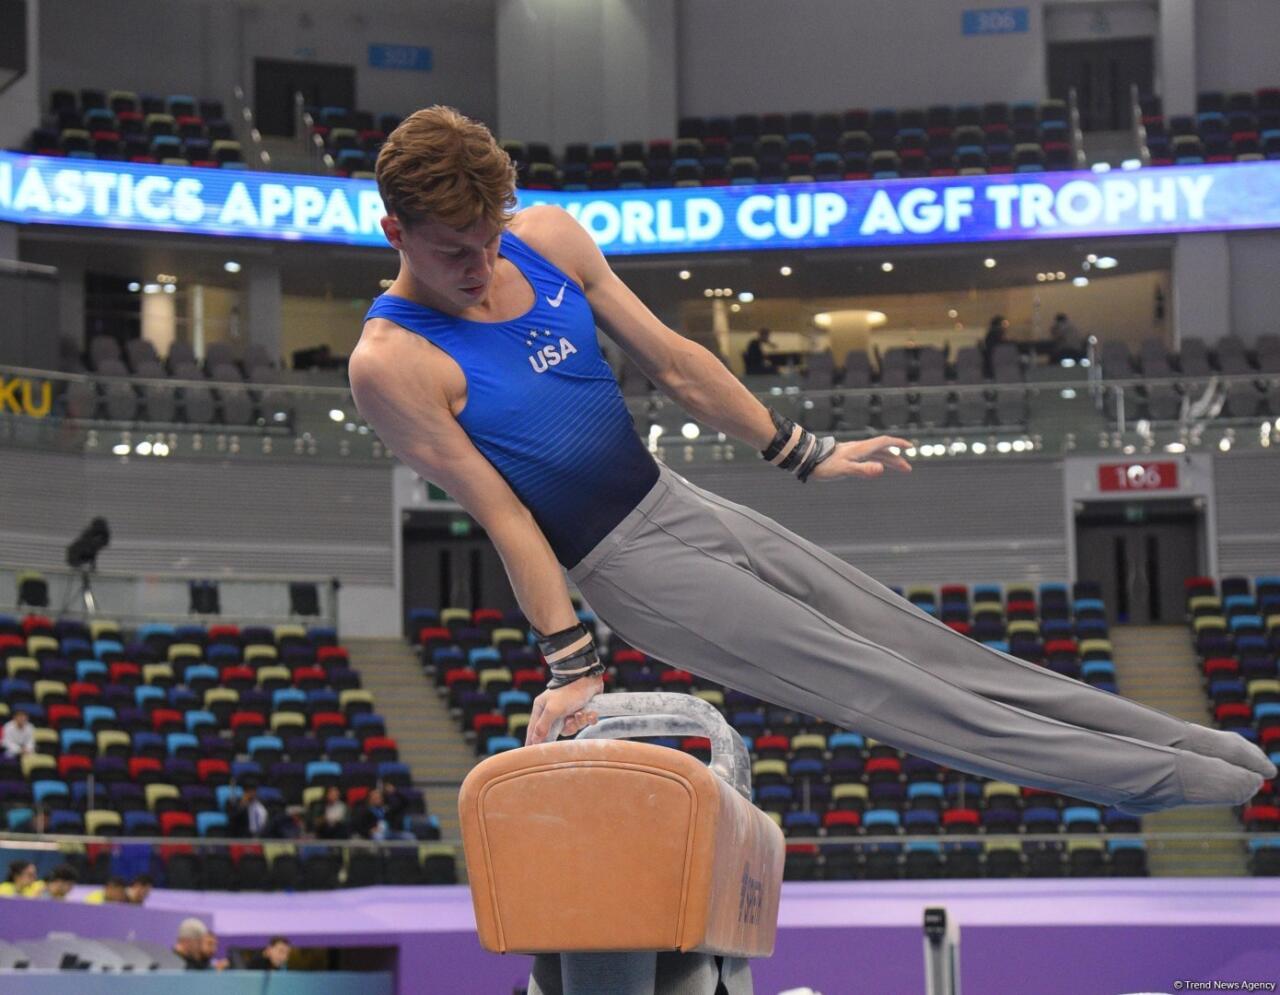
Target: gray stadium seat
140,352
103,347
820,373
932,372
1232,357
198,405
971,405
81,399
1194,358
119,398
856,407
161,402
895,408
1153,359
1117,364
180,354
218,354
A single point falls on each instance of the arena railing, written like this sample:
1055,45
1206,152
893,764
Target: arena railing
132,598
1177,854
1055,412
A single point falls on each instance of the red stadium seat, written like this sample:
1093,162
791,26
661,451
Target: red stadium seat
1233,710
842,819
84,693
626,656
310,678
884,765
1221,666
145,769
177,824
167,720
380,748
325,654
960,817
37,625
60,716
125,672
74,768
328,723
213,772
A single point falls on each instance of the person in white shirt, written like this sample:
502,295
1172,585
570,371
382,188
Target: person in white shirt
19,735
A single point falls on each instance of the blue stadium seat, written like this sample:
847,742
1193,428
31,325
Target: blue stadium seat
211,823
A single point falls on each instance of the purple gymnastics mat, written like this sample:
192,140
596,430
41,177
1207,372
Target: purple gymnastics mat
1019,937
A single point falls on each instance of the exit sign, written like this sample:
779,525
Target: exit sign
1138,477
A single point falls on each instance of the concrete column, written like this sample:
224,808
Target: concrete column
260,312
1201,287
8,241
1176,56
586,70
71,304
20,103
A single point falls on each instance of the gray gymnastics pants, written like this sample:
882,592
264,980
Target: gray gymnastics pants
720,590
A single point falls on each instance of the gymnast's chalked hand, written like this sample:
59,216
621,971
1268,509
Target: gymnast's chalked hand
563,703
865,458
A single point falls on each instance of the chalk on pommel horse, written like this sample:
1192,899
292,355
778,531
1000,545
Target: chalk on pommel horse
628,868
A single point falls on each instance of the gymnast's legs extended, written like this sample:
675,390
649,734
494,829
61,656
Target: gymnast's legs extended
715,588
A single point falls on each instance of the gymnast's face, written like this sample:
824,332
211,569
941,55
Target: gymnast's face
448,268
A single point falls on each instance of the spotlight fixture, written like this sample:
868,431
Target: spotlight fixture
684,274
134,287
1080,281
1107,262
231,266
989,263
336,414
785,270
887,266
82,552
746,296
690,431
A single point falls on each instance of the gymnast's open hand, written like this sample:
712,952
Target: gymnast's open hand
566,703
865,458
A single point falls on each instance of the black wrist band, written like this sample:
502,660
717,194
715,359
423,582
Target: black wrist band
571,655
795,448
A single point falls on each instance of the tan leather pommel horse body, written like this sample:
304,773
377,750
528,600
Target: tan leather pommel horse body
601,846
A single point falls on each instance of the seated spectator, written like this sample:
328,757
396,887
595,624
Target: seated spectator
23,881
190,945
139,890
371,820
246,815
333,820
273,957
209,948
754,358
19,735
290,825
114,890
997,333
61,881
1065,340
397,805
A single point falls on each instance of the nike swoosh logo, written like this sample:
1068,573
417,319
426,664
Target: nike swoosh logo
559,297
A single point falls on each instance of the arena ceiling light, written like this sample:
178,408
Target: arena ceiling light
1106,262
1175,447
151,288
231,266
785,270
746,297
134,287
989,263
1225,444
684,274
887,266
121,449
337,414
690,431
1080,281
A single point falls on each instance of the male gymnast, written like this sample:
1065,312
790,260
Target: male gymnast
480,369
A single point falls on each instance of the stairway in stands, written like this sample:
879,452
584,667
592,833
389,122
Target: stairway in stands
1157,666
419,721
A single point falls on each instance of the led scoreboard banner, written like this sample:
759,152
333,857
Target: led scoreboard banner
240,203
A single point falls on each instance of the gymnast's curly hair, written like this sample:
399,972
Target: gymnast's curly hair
442,165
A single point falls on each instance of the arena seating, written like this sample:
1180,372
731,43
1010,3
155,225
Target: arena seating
152,731
1236,629
818,781
228,399
352,137
121,125
1229,357
1226,127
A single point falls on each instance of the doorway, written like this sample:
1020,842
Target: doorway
449,562
1140,552
275,81
1102,73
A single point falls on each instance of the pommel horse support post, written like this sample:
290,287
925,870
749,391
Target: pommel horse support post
629,868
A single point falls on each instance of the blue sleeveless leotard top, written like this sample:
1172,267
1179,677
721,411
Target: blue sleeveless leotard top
543,406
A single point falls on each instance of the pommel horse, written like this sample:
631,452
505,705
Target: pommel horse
627,868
